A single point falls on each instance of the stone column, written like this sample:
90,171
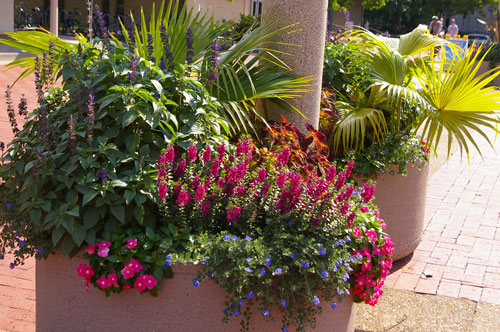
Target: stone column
306,59
54,17
6,15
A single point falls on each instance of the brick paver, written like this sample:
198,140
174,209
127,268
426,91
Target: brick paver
460,249
459,255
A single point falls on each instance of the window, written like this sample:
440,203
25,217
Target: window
256,7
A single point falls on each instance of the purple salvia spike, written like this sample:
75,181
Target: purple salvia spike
90,116
189,44
71,135
10,111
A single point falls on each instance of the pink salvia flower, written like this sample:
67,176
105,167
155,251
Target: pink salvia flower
221,150
205,208
179,171
283,157
261,175
233,215
192,153
207,154
183,198
169,154
200,193
131,243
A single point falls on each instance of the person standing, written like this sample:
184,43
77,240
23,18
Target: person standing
436,26
453,28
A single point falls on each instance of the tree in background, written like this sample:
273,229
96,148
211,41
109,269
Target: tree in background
343,5
401,16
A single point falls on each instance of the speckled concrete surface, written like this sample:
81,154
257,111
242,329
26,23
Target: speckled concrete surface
405,311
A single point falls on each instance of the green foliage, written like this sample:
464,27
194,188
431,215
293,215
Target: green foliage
245,23
491,54
84,161
390,156
401,16
343,5
451,98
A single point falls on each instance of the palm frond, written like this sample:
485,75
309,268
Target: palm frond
461,103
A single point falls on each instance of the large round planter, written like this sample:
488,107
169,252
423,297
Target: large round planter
401,202
63,305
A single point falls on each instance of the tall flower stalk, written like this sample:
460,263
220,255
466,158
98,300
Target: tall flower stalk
189,44
10,111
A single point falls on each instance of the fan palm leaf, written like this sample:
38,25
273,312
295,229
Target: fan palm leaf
461,102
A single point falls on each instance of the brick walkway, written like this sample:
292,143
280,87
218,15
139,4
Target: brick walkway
460,248
460,251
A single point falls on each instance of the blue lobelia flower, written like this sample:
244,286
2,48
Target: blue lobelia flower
292,255
250,295
226,237
322,252
316,300
248,238
263,272
242,302
334,305
277,271
305,264
265,313
247,269
283,303
324,275
235,238
249,259
268,263
196,283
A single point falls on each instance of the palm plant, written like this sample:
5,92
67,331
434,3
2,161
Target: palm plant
247,71
407,89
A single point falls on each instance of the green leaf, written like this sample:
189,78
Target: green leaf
78,234
158,272
172,229
36,215
75,211
88,195
46,205
150,233
90,217
158,86
129,195
139,214
113,259
129,117
140,199
118,211
68,245
57,233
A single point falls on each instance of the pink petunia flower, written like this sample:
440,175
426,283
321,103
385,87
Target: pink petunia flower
103,282
140,283
364,209
131,243
127,272
126,286
91,249
372,235
112,279
103,249
85,271
150,281
135,265
356,232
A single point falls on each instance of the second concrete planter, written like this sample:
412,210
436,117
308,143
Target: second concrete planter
63,305
401,202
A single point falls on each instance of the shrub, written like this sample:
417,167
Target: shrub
84,161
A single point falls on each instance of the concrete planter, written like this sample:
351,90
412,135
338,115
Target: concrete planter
485,66
401,202
63,305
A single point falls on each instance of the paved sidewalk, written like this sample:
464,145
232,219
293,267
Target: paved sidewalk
460,252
